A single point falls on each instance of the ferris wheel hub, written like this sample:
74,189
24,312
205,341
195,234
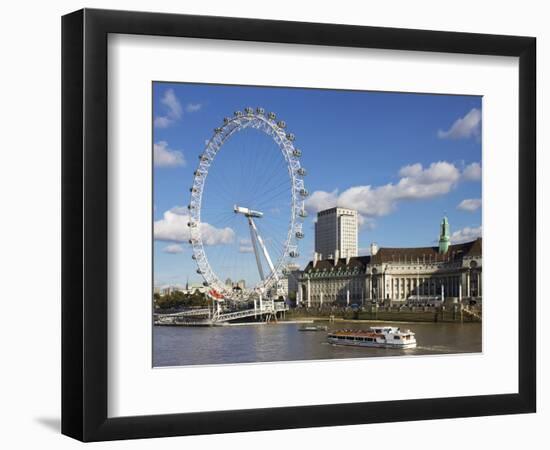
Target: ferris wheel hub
247,212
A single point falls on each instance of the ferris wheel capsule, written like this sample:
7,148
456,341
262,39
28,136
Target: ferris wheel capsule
281,124
272,116
294,254
217,130
290,137
301,171
260,111
297,153
304,192
226,119
191,224
199,271
249,110
193,256
302,213
238,113
299,235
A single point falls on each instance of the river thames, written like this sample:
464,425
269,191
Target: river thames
184,346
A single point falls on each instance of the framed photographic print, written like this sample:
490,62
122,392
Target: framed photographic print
274,224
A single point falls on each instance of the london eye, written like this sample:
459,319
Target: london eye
246,209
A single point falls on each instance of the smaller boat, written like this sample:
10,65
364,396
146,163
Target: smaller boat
381,337
313,328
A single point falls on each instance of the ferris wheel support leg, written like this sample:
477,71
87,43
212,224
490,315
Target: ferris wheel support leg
263,247
253,238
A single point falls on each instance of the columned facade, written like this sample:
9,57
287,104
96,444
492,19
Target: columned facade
397,275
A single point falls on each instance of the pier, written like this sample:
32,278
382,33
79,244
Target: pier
266,311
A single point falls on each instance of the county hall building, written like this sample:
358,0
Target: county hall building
423,275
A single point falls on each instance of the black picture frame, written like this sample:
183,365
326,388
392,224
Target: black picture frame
84,224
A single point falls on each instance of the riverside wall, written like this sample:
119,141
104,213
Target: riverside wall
451,313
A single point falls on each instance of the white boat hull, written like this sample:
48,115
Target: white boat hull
372,344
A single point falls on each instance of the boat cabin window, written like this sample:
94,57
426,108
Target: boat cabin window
396,337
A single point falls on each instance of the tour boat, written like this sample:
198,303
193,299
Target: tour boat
382,337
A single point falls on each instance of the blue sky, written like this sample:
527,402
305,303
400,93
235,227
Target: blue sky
402,160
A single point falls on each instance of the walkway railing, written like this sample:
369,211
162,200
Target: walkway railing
188,313
267,308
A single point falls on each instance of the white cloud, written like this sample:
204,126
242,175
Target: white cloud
164,156
320,200
181,210
472,172
172,104
173,228
163,122
173,249
173,109
464,127
470,204
366,222
416,183
193,107
466,234
245,245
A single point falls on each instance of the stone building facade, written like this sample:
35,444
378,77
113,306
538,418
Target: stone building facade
397,275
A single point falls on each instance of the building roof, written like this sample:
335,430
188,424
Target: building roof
359,262
404,255
429,254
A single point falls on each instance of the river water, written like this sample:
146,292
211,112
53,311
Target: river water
183,346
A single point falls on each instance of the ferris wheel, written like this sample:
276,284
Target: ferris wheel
246,209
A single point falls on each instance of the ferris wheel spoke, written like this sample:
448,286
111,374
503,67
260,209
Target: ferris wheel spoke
274,196
262,192
266,181
261,175
270,199
275,167
265,190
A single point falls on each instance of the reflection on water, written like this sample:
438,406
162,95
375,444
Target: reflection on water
182,346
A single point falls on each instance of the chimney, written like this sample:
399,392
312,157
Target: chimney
336,256
315,259
373,248
348,257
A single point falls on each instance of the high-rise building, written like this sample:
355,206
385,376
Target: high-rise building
336,233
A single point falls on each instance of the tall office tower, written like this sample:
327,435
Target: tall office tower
336,233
